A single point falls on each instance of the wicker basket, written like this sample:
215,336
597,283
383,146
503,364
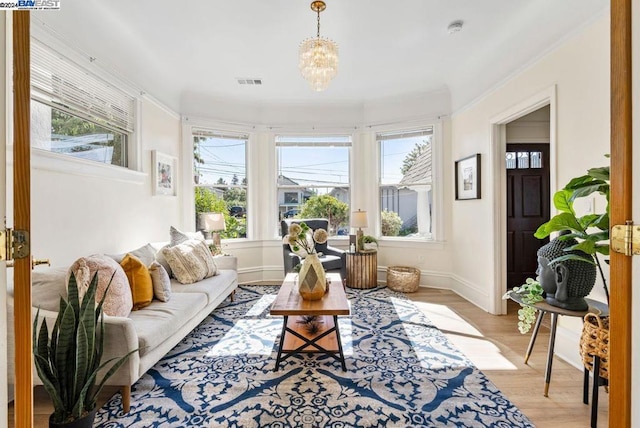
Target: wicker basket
595,341
404,279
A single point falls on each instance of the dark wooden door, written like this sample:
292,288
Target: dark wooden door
528,202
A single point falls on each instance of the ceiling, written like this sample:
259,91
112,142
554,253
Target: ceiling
179,49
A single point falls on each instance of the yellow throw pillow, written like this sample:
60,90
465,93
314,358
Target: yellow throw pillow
139,281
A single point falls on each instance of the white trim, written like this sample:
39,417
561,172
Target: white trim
498,178
48,161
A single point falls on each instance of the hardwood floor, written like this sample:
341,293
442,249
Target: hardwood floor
494,344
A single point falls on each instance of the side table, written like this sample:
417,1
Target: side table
543,307
362,270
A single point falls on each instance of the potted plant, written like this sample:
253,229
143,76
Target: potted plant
591,231
68,362
368,243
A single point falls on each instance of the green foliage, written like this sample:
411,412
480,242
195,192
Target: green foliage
69,361
326,206
391,223
531,293
235,197
590,230
207,202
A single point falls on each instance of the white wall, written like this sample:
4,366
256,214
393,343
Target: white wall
580,70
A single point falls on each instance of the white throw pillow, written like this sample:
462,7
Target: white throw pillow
190,261
161,282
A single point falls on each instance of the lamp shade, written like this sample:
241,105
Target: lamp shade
359,219
213,221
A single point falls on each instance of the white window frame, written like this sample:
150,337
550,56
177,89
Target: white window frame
240,136
317,136
437,232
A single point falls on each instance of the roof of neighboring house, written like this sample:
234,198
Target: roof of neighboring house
284,181
420,171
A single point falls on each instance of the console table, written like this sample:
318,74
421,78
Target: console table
543,308
362,270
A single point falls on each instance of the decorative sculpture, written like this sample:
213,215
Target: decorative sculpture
567,281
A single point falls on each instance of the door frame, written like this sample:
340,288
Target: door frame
498,123
4,130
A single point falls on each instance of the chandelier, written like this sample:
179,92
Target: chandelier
318,56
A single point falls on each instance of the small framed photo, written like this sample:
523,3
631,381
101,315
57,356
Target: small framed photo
468,177
165,174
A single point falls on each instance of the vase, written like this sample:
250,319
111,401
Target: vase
312,279
84,422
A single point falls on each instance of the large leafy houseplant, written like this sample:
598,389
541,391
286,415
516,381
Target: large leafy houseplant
68,361
590,230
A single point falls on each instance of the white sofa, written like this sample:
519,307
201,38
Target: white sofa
154,330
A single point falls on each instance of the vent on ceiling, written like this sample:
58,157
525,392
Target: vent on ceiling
248,81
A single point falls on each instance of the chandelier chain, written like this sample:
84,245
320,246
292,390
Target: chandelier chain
318,23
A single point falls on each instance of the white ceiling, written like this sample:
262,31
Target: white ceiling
179,49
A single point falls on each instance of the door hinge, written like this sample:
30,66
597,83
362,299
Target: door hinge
14,244
625,239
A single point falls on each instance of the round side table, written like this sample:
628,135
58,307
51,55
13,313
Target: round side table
362,270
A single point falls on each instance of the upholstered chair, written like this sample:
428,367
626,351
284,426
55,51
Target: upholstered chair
332,259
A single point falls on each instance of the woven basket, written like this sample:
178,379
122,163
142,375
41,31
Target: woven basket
404,279
595,341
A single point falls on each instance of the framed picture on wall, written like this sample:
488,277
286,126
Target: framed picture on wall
467,172
164,174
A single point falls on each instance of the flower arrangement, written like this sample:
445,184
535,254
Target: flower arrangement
302,241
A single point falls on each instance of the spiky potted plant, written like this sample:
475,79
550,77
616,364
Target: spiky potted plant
69,360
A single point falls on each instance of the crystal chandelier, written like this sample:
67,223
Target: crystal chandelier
318,56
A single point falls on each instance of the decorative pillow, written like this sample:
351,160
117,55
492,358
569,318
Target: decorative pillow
161,282
139,281
190,261
146,253
178,237
163,261
118,301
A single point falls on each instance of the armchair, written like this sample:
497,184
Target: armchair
332,259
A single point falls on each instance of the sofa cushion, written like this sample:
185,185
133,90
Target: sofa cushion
190,261
118,301
178,237
146,253
160,320
209,286
48,285
330,262
161,282
139,281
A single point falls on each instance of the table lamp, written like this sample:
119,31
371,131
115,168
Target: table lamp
359,220
214,223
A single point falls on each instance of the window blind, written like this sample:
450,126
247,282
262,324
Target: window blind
60,82
405,134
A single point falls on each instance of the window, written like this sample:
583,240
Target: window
220,179
313,179
406,187
75,113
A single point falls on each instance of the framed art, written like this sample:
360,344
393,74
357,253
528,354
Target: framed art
165,174
468,177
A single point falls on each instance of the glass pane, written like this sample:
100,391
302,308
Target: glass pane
230,201
511,160
60,132
406,212
219,160
323,202
536,159
406,160
523,160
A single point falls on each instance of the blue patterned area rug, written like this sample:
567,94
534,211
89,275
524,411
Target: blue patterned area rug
401,372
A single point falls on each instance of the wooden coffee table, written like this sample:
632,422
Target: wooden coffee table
295,338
